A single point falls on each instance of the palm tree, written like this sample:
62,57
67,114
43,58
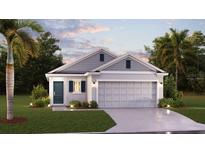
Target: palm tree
171,49
163,46
18,41
179,45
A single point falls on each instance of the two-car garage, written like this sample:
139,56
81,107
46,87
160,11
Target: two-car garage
120,94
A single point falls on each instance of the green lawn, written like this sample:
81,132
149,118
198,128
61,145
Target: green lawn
194,108
43,120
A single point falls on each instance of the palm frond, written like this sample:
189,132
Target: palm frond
24,46
30,45
29,24
19,51
7,24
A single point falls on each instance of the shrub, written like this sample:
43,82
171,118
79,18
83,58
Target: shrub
180,94
93,104
165,101
74,104
178,103
39,103
170,101
85,104
46,100
38,92
170,90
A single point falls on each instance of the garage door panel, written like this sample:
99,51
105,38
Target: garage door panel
127,94
115,98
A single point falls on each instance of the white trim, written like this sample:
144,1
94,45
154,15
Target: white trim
97,90
52,93
125,80
127,72
63,75
104,72
114,61
57,105
162,74
147,64
107,80
77,80
134,72
82,58
108,52
157,94
92,73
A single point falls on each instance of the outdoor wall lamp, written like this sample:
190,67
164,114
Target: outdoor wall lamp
94,81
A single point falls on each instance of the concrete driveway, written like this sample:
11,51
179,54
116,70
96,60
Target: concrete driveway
150,120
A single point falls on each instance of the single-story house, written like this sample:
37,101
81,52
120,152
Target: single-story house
113,81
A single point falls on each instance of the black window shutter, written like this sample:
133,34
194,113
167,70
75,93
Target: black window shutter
128,64
101,57
83,86
70,86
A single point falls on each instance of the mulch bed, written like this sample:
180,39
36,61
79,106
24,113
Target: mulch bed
15,120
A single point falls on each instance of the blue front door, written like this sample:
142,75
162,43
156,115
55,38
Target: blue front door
58,92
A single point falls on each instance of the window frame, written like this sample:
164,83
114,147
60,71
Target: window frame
80,91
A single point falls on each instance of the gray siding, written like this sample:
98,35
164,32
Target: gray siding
88,64
126,77
121,66
80,97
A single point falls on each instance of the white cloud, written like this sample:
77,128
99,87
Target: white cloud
85,29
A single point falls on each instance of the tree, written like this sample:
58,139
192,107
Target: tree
180,54
170,52
170,87
18,41
197,39
161,49
36,67
179,47
33,71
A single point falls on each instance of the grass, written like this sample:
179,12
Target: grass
194,108
43,120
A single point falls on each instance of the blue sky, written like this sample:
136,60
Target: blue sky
119,36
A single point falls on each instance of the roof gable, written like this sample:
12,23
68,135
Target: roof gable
86,63
118,64
121,66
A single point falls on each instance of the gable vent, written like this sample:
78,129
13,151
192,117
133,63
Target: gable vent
102,57
128,64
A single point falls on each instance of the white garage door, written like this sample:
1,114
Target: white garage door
127,94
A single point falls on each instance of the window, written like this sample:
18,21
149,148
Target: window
128,64
101,57
77,86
